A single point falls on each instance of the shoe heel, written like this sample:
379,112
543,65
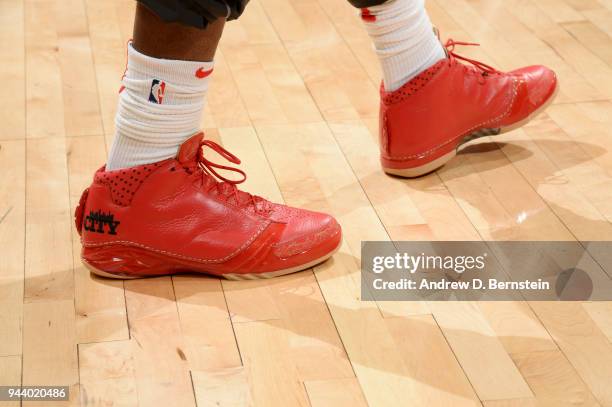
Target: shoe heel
104,274
414,172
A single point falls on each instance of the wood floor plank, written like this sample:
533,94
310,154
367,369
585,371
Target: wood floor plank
226,387
588,124
594,70
253,27
262,105
273,378
49,348
80,97
480,353
592,37
10,375
559,11
160,366
443,382
240,298
279,95
100,303
409,209
287,85
484,168
562,171
10,370
205,324
350,27
125,11
602,18
106,373
606,3
109,56
335,393
49,335
48,265
553,379
582,343
526,402
12,237
384,378
601,313
314,346
44,89
321,57
583,5
492,23
12,54
517,327
225,107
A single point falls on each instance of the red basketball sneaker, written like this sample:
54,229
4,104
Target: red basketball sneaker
180,215
424,122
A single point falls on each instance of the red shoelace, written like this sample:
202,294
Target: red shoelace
482,67
226,187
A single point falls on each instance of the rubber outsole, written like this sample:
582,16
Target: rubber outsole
228,276
415,172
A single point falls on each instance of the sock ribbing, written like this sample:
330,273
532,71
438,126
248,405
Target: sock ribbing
404,40
160,106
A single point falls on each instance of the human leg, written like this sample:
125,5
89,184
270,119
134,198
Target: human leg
161,206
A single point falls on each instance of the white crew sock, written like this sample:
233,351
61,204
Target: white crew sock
160,106
403,38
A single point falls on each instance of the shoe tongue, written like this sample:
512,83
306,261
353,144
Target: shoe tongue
189,149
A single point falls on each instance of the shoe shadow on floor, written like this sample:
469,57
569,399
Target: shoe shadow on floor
552,155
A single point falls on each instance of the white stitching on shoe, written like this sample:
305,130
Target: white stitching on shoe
180,256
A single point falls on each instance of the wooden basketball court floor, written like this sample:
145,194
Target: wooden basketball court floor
295,96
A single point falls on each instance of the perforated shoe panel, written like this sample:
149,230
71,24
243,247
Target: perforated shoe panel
124,183
413,86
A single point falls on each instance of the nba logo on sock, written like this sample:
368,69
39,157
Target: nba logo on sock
157,91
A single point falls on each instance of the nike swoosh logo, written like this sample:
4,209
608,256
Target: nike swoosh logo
367,16
201,73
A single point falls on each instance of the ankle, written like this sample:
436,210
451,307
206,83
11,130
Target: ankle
160,106
404,39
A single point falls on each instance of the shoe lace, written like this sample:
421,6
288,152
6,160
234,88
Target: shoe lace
478,66
210,178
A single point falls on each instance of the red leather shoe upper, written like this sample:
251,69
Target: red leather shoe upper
536,85
430,115
185,210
